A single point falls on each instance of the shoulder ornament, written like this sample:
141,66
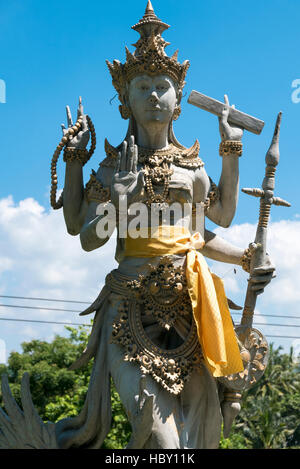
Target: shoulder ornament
178,155
95,191
111,155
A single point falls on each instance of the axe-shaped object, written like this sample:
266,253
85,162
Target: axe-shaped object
235,116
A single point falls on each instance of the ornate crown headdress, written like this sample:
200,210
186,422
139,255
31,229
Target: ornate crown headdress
149,57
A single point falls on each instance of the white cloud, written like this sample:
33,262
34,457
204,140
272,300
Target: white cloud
284,250
39,259
282,296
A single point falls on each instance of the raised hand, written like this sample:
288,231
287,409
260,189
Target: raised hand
80,140
127,181
228,131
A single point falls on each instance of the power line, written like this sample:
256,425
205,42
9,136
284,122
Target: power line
42,307
272,315
45,299
282,336
271,325
77,311
89,325
45,322
89,303
72,311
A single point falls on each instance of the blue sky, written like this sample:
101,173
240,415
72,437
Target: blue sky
52,52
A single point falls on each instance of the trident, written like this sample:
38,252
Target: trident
267,199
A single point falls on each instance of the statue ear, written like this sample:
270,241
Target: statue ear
179,96
125,109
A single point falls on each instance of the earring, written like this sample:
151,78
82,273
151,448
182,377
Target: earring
125,111
177,112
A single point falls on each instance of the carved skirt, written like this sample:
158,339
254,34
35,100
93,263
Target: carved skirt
155,325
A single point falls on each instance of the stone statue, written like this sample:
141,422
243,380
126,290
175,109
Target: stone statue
162,328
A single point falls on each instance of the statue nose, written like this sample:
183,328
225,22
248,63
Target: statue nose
153,97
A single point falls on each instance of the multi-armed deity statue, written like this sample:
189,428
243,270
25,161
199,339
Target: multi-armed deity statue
162,328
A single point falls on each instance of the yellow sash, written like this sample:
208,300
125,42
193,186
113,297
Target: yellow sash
210,308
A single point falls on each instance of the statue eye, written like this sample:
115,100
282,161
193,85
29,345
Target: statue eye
162,86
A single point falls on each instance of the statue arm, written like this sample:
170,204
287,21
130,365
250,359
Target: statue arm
91,235
224,197
74,203
223,210
220,250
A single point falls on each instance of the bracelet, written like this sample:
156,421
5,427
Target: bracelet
246,260
95,192
75,154
231,147
232,396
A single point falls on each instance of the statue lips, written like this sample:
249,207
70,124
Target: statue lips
154,109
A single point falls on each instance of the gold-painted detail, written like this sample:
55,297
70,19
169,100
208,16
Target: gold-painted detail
163,293
157,167
148,58
211,199
179,156
75,154
171,368
264,213
70,154
213,196
111,155
94,190
231,147
232,396
254,352
246,260
157,175
183,157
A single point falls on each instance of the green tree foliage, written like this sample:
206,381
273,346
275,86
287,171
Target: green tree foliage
270,411
270,415
56,391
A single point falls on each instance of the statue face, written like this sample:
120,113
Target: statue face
152,99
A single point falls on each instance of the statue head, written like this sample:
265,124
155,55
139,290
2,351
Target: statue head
149,83
152,99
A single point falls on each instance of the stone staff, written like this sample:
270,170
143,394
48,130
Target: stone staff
254,346
235,117
267,199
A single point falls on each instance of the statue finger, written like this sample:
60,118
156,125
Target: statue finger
69,117
80,114
258,285
84,124
80,108
263,270
118,163
141,180
224,117
135,159
130,153
64,130
261,278
226,100
123,156
259,288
